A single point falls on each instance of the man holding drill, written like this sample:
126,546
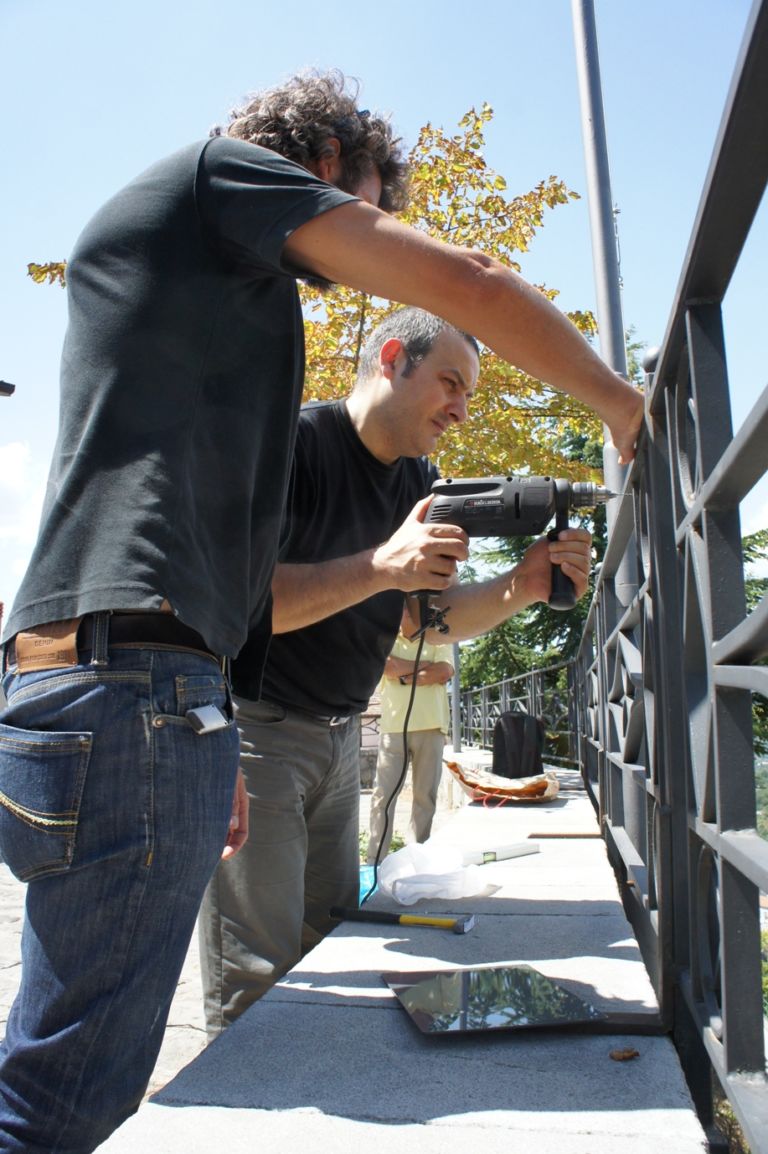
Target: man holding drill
181,379
356,543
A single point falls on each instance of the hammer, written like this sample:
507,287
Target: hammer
461,925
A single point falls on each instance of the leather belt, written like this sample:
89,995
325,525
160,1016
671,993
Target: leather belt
135,629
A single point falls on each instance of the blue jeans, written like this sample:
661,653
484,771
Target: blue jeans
115,810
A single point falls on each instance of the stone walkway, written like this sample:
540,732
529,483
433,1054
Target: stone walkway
329,1058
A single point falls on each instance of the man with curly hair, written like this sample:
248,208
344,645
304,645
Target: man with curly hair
181,378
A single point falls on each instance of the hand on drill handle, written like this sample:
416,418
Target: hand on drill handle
572,551
422,556
479,606
425,556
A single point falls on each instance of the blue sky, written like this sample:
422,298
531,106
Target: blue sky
92,92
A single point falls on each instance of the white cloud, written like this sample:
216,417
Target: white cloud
22,487
14,462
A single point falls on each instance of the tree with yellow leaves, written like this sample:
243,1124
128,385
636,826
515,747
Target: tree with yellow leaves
514,420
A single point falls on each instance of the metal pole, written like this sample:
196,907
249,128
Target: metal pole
609,319
604,253
456,699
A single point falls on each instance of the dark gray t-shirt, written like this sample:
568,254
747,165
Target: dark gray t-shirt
181,379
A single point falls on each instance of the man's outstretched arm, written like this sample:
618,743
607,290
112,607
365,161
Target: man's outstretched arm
357,245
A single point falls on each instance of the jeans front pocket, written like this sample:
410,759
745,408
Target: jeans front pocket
42,776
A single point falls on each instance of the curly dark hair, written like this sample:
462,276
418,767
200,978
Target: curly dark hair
298,118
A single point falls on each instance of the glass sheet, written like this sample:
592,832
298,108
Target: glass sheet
495,998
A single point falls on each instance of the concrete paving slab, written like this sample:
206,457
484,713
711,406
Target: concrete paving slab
203,1130
378,1066
372,1067
562,879
601,962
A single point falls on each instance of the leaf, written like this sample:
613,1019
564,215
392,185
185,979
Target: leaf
50,273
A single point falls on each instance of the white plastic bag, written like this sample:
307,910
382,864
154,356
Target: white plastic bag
431,871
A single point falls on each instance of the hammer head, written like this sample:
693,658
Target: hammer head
464,925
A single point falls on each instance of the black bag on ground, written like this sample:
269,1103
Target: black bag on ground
518,739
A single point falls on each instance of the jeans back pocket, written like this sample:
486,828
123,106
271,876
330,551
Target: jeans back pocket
42,776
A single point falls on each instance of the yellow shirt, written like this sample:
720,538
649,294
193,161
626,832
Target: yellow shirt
430,702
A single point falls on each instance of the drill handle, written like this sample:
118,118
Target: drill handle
563,593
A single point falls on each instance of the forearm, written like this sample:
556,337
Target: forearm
304,594
359,246
397,667
544,343
520,324
429,672
416,556
477,607
435,673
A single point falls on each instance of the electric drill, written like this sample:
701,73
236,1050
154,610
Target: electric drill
515,506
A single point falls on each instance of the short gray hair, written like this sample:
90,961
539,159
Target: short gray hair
416,329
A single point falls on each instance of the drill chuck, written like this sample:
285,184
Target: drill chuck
586,495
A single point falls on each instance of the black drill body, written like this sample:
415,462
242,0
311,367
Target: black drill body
515,506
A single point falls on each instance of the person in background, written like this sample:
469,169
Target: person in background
422,742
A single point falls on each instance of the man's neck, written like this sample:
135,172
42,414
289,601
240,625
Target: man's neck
370,431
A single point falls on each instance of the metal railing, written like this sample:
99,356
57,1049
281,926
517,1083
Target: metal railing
664,680
662,689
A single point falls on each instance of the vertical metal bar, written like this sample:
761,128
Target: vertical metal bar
456,699
742,1008
665,678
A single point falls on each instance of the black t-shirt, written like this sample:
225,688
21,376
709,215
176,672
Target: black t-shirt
181,379
343,501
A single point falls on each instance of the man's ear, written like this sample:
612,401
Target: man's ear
388,354
328,166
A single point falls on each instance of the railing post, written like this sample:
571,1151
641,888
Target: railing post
456,699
